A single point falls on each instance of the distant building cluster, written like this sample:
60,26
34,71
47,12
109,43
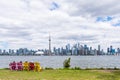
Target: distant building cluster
75,49
78,49
112,51
20,51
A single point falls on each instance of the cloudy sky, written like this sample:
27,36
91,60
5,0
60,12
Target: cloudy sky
27,23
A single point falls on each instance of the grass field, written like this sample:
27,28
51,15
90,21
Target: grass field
60,75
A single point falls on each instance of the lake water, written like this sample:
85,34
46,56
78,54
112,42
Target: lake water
57,61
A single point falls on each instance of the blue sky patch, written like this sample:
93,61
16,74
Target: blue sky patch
54,6
104,19
117,24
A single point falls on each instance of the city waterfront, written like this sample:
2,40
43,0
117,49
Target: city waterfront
57,61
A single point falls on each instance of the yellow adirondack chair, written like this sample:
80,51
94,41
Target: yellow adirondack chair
26,65
37,67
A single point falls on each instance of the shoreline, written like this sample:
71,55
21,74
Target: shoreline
59,55
75,68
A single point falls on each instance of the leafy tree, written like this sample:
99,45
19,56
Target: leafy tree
66,63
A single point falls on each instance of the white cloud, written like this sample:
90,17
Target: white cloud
25,23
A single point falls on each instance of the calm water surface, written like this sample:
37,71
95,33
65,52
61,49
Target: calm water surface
57,61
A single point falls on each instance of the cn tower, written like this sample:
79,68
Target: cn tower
49,45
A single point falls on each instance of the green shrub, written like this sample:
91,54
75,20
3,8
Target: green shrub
66,63
116,68
60,68
77,68
101,68
88,68
6,68
109,68
48,68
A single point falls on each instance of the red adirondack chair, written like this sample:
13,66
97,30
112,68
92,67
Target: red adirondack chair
19,66
31,66
12,65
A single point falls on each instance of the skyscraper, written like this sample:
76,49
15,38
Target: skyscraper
98,47
99,51
111,49
49,45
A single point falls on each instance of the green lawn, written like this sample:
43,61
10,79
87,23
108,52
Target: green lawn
60,75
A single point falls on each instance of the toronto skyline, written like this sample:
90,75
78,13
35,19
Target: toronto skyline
28,23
